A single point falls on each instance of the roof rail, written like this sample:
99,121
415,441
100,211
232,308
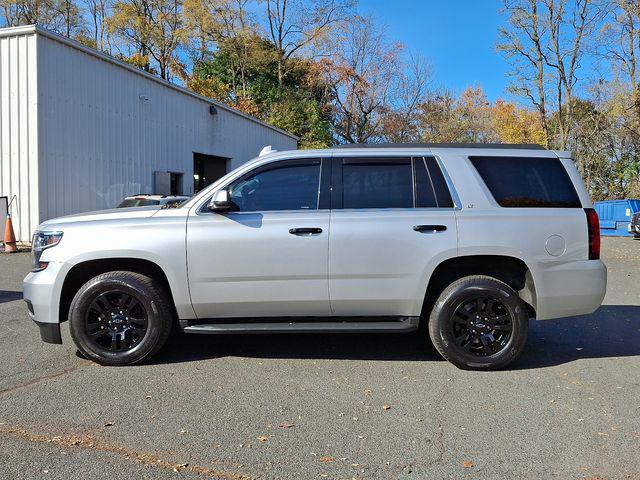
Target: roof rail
517,146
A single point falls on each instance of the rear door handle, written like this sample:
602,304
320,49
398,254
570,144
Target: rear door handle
430,228
305,232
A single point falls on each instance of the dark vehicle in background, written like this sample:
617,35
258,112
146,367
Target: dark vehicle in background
145,200
634,225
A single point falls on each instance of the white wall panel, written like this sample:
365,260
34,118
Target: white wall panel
18,128
76,133
100,140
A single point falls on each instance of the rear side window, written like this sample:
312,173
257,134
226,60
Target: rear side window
527,182
431,188
377,183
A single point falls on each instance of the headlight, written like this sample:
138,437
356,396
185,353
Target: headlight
42,241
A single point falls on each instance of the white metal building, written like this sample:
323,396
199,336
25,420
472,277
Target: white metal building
80,130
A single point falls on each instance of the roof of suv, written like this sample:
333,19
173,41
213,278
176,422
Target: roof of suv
495,146
489,149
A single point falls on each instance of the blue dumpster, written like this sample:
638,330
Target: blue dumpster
615,216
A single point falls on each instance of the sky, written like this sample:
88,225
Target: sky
458,37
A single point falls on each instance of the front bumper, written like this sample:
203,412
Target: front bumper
41,292
50,332
569,288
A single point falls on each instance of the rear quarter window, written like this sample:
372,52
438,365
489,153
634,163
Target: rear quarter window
527,182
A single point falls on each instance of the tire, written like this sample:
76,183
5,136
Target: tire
479,323
120,318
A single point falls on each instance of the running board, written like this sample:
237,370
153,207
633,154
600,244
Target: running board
407,324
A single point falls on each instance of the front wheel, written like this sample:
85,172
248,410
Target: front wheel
120,318
479,323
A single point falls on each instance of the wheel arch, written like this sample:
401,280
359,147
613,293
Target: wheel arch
82,272
511,270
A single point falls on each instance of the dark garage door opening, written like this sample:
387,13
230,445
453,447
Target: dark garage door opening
207,169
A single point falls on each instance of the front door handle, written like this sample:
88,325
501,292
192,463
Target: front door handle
305,232
430,228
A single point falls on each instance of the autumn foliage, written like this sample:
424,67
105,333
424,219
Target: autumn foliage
328,74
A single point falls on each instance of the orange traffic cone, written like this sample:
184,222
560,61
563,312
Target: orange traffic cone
9,237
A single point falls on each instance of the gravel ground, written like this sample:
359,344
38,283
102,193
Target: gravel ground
328,406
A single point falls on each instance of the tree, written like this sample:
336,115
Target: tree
359,78
466,119
97,32
153,28
401,119
299,106
296,25
61,16
522,44
545,41
514,124
212,23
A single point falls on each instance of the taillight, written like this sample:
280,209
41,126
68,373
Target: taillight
593,226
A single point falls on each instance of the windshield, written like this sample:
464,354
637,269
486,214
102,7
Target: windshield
138,202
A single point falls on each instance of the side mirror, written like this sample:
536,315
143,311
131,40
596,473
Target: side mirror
220,202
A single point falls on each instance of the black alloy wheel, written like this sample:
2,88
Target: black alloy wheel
479,323
116,321
121,318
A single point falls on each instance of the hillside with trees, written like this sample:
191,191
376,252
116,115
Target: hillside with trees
323,71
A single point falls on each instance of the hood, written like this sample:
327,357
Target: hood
112,214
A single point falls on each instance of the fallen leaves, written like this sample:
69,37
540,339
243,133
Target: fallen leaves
326,459
467,464
99,445
177,468
262,438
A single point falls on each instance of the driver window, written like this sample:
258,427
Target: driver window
283,186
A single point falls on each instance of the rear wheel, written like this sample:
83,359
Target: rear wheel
120,318
479,323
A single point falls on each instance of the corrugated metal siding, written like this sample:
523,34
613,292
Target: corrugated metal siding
18,130
100,141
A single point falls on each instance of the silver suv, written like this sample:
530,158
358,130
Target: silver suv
467,242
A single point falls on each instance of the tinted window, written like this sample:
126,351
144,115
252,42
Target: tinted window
443,195
431,187
377,183
282,187
527,182
136,202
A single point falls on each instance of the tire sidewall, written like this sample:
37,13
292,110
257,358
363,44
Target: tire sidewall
450,299
80,306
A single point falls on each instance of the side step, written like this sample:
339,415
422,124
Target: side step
407,324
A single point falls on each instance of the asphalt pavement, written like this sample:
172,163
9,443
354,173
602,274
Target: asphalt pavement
328,406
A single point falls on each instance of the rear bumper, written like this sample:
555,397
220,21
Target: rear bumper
572,288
